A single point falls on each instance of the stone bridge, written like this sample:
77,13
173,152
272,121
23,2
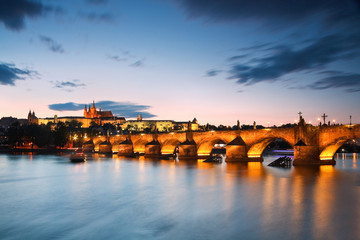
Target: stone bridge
312,144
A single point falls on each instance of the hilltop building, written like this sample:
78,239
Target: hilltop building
91,114
160,125
32,119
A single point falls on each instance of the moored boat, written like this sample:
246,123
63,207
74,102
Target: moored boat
78,156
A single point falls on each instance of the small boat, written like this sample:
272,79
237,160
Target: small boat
216,158
78,156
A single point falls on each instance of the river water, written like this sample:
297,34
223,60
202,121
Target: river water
47,197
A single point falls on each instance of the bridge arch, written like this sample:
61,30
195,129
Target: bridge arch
329,151
168,147
139,145
205,146
256,150
97,141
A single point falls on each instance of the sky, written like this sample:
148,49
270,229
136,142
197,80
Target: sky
218,61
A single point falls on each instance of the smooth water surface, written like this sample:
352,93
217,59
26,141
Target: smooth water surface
47,197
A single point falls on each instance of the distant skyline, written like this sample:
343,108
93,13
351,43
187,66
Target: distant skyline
218,61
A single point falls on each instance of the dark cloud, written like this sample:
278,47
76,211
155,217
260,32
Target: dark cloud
138,63
51,44
14,12
125,109
69,106
237,57
259,46
69,85
288,59
98,17
97,2
117,58
335,25
9,74
348,81
212,73
272,11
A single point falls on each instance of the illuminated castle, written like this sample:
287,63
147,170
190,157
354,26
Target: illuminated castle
93,113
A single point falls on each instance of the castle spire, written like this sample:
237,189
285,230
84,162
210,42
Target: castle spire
85,111
93,104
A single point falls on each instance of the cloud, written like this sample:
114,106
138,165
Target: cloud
98,17
212,73
9,74
97,2
348,81
237,57
125,109
271,12
69,85
117,58
51,44
14,12
69,106
289,59
335,25
138,63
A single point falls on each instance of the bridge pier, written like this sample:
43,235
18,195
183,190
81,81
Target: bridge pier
88,146
105,147
153,149
187,150
125,148
236,151
309,155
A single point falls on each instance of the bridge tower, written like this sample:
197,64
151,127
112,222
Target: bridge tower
306,148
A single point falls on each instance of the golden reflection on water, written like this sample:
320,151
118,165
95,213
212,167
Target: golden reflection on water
323,202
232,200
355,158
297,203
276,190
